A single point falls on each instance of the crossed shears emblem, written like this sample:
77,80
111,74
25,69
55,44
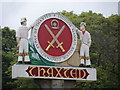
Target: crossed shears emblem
55,39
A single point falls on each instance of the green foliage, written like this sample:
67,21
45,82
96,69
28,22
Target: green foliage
25,83
106,79
103,52
8,39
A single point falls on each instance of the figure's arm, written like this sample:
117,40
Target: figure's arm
77,31
18,37
89,43
30,27
18,41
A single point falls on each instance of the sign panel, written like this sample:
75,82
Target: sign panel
54,72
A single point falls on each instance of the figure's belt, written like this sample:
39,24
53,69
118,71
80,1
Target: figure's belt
26,54
20,54
85,43
23,38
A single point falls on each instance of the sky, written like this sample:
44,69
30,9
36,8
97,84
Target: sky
12,11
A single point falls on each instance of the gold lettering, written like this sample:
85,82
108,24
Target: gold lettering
75,73
79,73
58,72
41,69
66,72
48,72
38,71
84,74
30,71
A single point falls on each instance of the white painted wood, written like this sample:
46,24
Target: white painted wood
20,71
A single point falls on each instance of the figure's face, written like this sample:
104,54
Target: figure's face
82,27
24,23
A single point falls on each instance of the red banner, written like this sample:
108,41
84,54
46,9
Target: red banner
57,72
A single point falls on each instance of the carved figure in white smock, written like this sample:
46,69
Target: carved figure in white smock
22,41
85,39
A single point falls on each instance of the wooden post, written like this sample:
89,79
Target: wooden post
54,83
69,83
43,83
57,84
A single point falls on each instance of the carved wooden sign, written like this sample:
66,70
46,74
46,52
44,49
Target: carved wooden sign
53,41
54,72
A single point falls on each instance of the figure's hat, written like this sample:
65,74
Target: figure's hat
23,19
83,23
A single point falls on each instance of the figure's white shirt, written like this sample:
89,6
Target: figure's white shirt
85,38
22,32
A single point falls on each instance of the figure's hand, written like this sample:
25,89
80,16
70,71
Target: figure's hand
31,26
18,45
89,45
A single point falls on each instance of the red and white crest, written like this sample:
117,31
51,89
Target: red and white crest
54,37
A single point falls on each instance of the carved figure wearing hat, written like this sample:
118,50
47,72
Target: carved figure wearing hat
85,39
22,41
